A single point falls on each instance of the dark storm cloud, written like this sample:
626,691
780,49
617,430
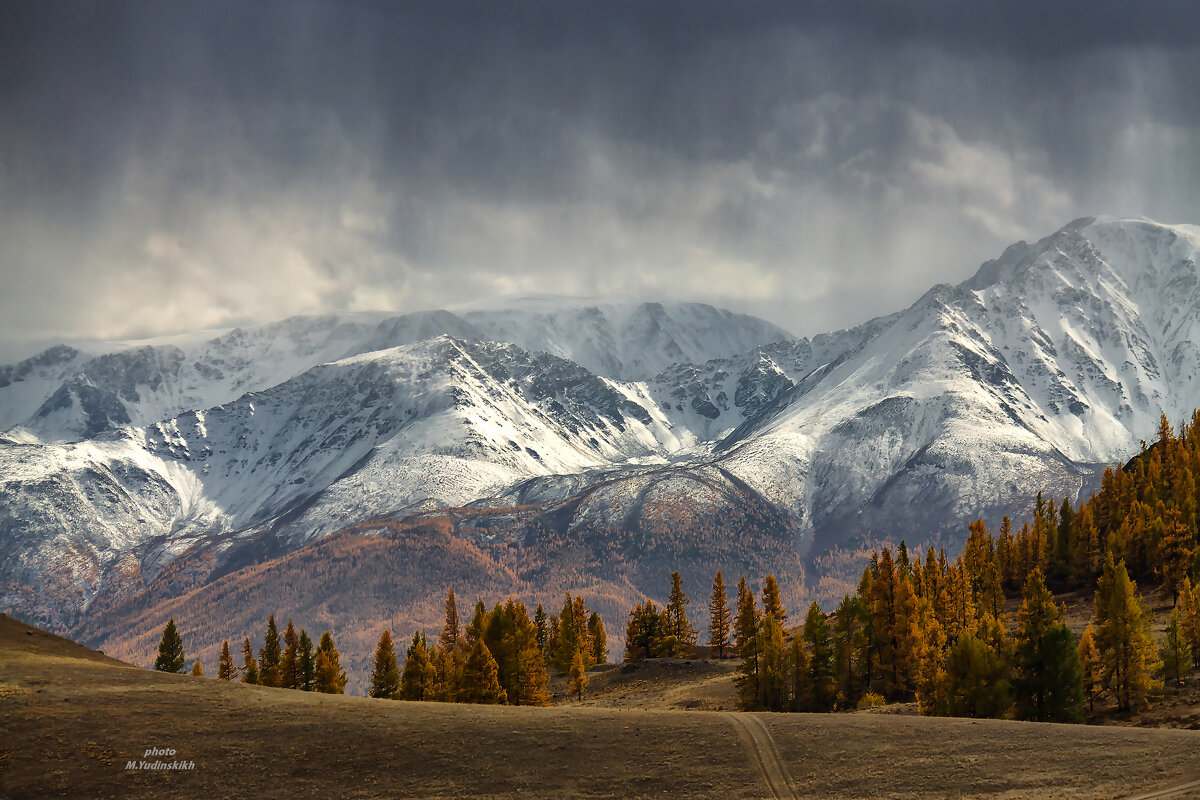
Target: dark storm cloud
167,166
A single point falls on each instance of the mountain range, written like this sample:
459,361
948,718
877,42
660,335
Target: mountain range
564,443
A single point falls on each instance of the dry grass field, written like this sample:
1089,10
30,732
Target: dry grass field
71,719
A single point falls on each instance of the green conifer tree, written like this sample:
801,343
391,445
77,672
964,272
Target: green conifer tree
307,680
977,683
170,650
269,656
1048,683
289,666
818,644
385,675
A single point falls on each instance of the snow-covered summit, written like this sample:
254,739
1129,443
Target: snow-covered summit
1051,362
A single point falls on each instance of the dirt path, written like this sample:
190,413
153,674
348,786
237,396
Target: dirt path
762,749
1170,791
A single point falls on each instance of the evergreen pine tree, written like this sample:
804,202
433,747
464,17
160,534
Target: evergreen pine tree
481,678
1175,655
719,618
417,679
289,666
330,677
818,644
269,656
1048,683
249,665
977,685
599,639
225,669
197,669
307,675
801,678
385,675
579,678
847,642
170,650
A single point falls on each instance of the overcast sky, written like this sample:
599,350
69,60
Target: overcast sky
166,167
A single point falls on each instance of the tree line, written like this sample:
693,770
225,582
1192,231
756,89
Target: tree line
937,632
501,656
293,663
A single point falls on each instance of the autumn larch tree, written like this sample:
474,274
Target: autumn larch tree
1189,616
417,679
1174,652
1123,641
719,618
530,680
225,668
540,625
747,679
677,619
330,677
772,665
170,650
385,675
579,678
1089,666
772,605
269,656
289,667
249,665
450,655
197,669
1048,683
599,639
481,678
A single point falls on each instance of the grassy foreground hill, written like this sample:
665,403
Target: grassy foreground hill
73,719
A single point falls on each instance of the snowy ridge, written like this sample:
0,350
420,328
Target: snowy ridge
1051,362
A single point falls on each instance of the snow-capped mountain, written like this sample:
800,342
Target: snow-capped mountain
1051,362
69,393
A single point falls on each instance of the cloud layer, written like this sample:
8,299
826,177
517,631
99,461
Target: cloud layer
167,167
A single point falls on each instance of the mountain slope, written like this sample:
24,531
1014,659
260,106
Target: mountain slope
1051,362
